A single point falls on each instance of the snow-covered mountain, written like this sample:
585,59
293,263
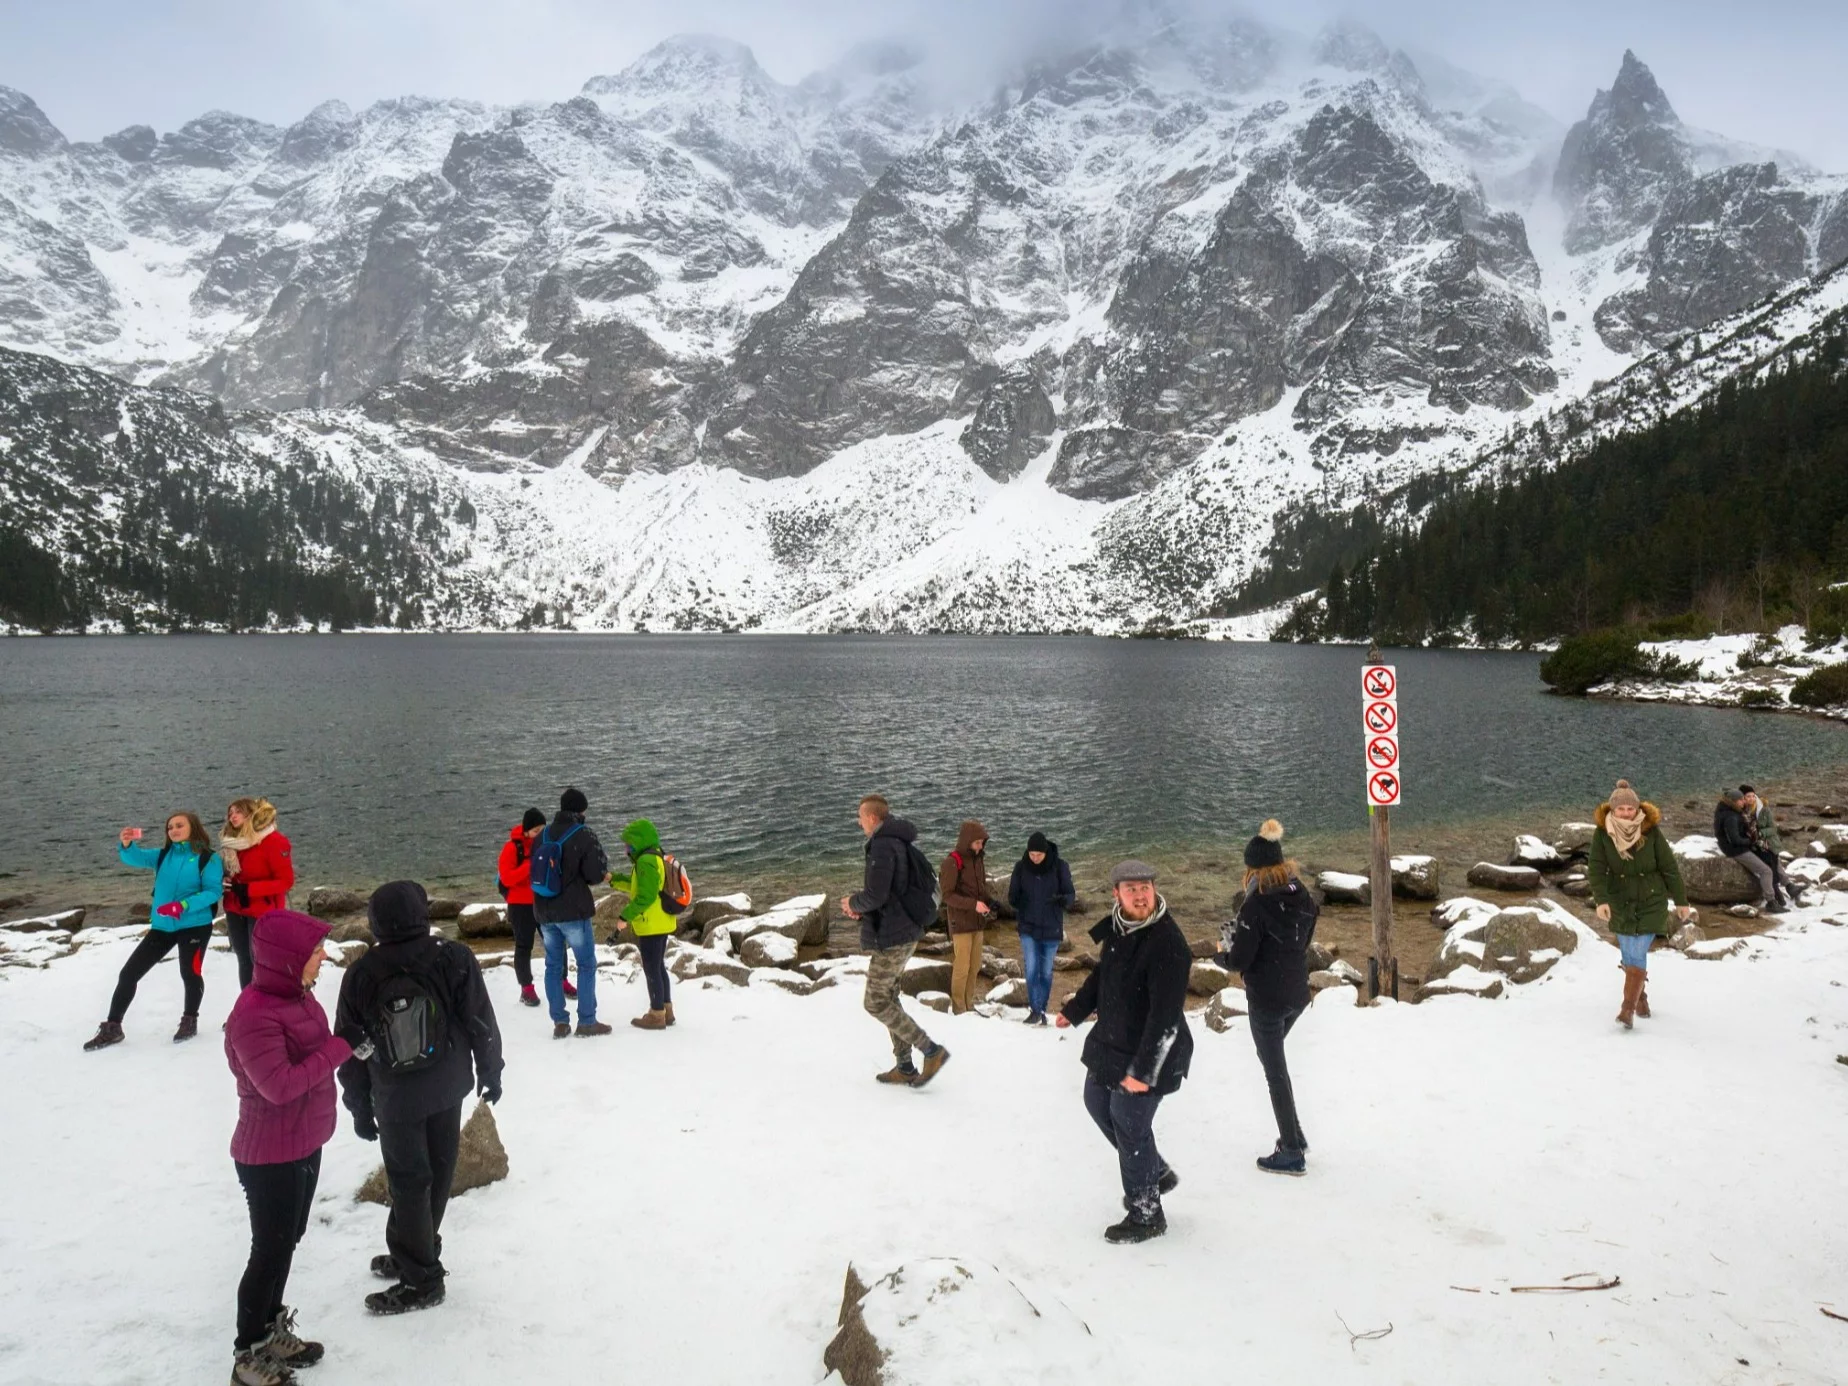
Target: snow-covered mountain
700,349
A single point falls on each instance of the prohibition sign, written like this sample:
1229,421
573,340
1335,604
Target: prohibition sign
1382,718
1383,753
1380,681
1383,788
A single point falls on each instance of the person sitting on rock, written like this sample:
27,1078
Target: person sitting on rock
1733,831
1768,843
1634,881
1139,1050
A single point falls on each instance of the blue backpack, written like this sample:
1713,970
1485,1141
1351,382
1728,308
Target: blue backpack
548,863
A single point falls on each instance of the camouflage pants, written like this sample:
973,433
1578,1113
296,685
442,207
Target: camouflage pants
883,1005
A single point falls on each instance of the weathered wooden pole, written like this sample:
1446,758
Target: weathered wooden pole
1383,967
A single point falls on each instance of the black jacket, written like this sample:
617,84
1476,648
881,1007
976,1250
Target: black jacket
1139,994
1040,895
582,863
884,921
1269,946
400,917
1729,827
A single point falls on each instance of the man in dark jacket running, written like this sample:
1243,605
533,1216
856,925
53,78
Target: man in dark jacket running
893,906
565,916
1139,1050
1736,840
418,1005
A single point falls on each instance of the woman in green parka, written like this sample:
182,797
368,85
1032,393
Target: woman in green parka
647,917
1635,882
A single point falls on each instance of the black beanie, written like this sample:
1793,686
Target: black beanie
532,818
1266,849
573,801
1039,842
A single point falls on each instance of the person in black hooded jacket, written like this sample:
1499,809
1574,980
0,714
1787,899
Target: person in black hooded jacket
1039,892
1268,944
414,992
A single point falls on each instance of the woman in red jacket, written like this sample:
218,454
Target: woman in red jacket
258,873
516,884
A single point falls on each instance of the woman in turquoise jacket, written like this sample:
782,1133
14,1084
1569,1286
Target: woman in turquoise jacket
188,881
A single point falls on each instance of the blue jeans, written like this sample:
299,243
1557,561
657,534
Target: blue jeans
573,934
1036,957
1635,949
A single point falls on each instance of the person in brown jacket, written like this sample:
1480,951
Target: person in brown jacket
963,879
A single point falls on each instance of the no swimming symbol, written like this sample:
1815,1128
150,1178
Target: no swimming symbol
1383,753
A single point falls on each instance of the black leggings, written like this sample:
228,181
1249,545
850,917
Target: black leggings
237,927
654,968
525,930
1268,1031
155,946
280,1197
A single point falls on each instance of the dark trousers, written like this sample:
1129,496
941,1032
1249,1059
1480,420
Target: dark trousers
525,930
654,968
420,1162
280,1197
1268,1029
1779,881
237,929
158,943
1127,1120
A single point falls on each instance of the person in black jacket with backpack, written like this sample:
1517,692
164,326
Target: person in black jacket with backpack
567,861
1268,944
416,1007
1140,1048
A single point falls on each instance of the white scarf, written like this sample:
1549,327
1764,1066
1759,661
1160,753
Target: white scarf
1126,927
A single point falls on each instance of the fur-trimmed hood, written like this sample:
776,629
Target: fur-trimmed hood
1652,816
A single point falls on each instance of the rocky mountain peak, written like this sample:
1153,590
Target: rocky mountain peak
1623,162
683,65
1636,98
24,128
329,127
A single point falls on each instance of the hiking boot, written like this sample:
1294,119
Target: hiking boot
1033,1018
529,995
189,1029
592,1030
285,1347
1283,1162
403,1299
1167,1184
569,989
902,1074
108,1033
669,1011
1143,1220
1773,907
385,1267
562,1030
653,1020
934,1059
255,1367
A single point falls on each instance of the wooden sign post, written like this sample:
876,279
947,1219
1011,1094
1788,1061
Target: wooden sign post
1379,686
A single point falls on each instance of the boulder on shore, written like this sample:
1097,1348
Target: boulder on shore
67,921
330,902
1345,888
1207,978
484,921
1574,839
1227,1005
1465,981
1415,877
1535,852
712,908
1012,992
1834,840
481,1160
803,920
1711,878
924,974
691,963
443,907
768,950
1490,875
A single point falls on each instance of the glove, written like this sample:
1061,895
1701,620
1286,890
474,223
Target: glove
173,909
365,1126
490,1092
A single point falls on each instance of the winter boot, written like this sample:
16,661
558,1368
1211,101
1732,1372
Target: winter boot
108,1033
904,1075
1143,1221
255,1367
283,1346
653,1020
402,1298
529,995
1642,997
1632,984
569,989
1167,1184
385,1267
1283,1162
934,1058
562,1030
189,1029
668,1011
592,1030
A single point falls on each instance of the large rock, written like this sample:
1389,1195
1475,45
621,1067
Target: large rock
68,921
444,907
1464,981
1489,875
803,920
1345,888
924,974
713,908
1834,840
1415,877
1459,909
1226,1006
768,950
484,921
1535,852
791,982
1713,879
1207,979
350,931
1574,839
330,902
1523,944
481,1160
38,948
1012,992
691,963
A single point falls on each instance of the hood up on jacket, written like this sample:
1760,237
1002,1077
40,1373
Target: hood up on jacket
1651,815
640,835
398,911
281,942
1039,842
971,833
900,828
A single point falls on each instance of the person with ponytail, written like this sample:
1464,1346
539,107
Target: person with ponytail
1268,945
188,882
516,888
259,871
1634,880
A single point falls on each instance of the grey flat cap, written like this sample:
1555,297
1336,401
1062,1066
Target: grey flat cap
1131,870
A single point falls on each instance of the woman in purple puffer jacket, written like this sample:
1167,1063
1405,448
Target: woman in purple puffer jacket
283,1057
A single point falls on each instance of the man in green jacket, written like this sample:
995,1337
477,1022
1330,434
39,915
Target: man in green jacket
647,918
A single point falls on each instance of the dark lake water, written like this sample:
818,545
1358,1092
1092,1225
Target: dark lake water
411,755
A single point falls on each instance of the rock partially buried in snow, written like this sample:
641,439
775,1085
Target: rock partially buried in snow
768,950
1686,936
1711,878
1834,840
483,921
1523,944
803,920
39,948
692,963
1225,1007
1345,888
934,1001
792,982
713,908
1207,979
1338,974
1456,911
1012,992
1415,877
1488,875
1713,949
1464,981
924,974
66,921
481,1160
1535,852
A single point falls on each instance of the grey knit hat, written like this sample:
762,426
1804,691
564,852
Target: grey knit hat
1131,870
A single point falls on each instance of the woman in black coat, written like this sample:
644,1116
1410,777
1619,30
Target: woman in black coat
1268,944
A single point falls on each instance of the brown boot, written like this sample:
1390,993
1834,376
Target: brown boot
1642,996
903,1075
653,1020
1632,984
189,1029
670,1012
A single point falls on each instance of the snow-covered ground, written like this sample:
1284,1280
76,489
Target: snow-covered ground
683,1206
1731,668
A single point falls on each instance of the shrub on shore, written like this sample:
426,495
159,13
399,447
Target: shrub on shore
1582,662
1824,687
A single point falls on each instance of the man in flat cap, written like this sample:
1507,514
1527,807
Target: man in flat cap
1138,1051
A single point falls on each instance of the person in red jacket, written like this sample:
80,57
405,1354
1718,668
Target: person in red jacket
258,873
516,885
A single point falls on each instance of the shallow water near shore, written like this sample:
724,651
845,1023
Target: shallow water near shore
410,755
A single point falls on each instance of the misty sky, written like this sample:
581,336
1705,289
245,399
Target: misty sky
1769,71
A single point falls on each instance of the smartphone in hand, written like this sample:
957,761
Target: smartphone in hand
134,834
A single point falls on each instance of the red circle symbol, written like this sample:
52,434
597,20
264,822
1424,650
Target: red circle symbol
1382,719
1383,753
1383,788
1380,681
